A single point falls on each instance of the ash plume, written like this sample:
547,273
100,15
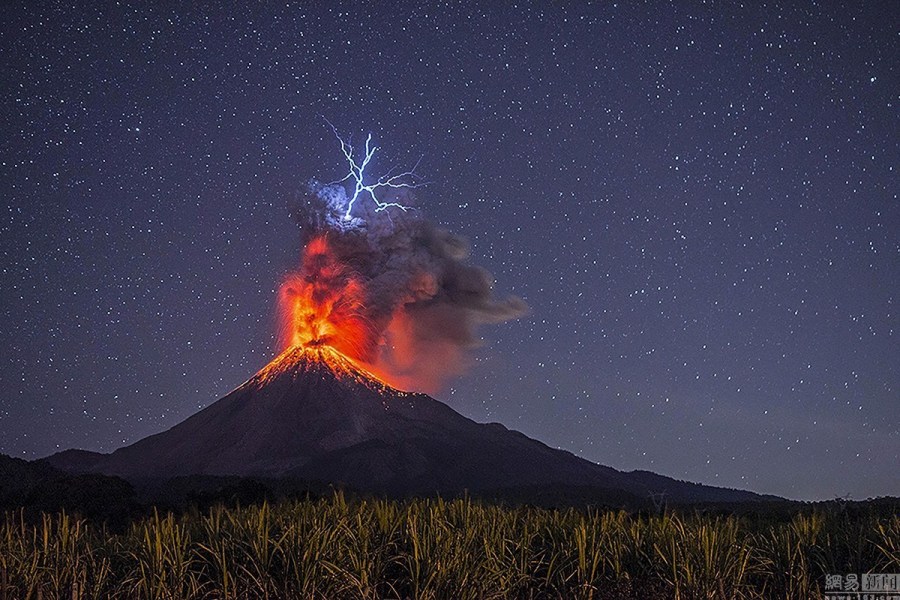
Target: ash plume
407,286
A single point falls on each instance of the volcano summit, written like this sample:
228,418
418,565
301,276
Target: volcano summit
312,414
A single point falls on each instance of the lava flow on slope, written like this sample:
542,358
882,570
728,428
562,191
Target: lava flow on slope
343,368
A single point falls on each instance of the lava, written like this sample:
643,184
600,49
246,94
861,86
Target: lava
340,365
323,307
322,304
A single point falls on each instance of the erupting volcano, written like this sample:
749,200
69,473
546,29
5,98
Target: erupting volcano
314,415
381,285
382,301
388,290
323,307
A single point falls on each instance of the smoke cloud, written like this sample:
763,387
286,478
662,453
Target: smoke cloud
395,292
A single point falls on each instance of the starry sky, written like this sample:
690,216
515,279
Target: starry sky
698,201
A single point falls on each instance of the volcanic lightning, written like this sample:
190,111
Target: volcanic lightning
392,293
358,172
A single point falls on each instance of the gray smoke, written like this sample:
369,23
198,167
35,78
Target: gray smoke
423,300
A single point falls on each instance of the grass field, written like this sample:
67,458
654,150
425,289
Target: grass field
461,549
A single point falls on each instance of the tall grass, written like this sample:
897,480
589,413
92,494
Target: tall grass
435,549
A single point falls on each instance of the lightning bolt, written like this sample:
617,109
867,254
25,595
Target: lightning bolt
358,171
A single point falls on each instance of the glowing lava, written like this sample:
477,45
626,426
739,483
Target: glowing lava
322,308
309,358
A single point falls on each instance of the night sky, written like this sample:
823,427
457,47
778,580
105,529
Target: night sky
698,203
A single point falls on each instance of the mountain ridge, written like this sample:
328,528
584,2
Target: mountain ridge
312,414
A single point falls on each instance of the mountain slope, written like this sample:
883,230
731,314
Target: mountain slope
311,414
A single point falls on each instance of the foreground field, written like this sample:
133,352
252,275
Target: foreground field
421,549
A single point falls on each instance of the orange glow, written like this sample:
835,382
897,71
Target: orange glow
322,307
339,364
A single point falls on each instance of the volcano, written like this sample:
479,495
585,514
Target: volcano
312,414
